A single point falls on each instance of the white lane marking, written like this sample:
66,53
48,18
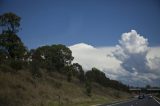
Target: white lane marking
122,102
156,101
157,98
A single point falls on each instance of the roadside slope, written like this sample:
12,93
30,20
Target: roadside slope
21,89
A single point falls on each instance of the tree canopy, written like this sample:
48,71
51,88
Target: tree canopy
10,22
53,57
11,45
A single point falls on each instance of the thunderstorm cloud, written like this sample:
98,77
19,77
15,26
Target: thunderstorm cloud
132,61
132,52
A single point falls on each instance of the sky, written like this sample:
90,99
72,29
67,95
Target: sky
88,21
122,37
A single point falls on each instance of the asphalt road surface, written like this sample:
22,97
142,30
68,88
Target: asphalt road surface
138,102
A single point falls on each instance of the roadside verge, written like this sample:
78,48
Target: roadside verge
156,99
118,102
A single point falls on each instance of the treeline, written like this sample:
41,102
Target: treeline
53,58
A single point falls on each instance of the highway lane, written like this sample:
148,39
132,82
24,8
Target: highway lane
138,102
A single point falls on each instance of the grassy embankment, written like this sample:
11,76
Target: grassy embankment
158,95
21,89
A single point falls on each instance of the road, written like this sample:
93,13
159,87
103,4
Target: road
138,102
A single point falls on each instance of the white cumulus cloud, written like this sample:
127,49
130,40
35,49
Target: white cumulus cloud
131,61
132,52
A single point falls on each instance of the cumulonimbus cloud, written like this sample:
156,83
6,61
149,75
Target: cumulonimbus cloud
89,56
132,52
131,61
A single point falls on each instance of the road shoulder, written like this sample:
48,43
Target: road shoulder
118,102
156,99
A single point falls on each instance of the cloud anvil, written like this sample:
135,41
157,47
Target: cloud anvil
131,61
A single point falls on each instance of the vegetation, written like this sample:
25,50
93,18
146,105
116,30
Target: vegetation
46,76
158,95
99,77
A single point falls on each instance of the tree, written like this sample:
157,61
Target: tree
69,73
78,71
35,69
3,56
88,88
95,75
43,56
12,46
10,43
63,56
10,22
53,57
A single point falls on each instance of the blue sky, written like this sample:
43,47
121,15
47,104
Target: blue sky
95,22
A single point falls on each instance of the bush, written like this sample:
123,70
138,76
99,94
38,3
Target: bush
16,64
34,67
88,88
69,76
117,94
58,85
5,68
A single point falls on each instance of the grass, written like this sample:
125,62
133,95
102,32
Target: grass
21,89
158,95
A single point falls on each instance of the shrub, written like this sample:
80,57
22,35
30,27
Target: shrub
16,64
69,76
34,67
5,68
88,88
